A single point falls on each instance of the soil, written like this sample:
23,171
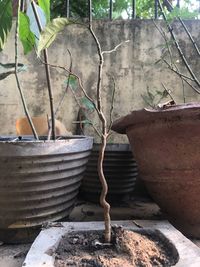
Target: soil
128,249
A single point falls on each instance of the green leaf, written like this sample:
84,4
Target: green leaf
87,103
26,36
5,21
50,32
72,82
45,5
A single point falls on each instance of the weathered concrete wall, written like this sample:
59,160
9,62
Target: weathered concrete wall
132,66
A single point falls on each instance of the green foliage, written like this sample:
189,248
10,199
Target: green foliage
72,81
50,32
144,9
87,104
45,5
26,36
5,20
183,13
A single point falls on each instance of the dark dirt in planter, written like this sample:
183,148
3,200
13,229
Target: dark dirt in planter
128,249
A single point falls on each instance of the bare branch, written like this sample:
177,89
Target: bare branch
178,47
48,76
162,33
17,78
177,72
190,36
67,87
186,30
115,48
168,91
112,105
78,79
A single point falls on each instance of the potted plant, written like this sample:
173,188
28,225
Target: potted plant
40,175
166,144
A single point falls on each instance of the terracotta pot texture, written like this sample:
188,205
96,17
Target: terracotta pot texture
166,146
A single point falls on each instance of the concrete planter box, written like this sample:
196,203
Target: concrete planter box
39,182
42,251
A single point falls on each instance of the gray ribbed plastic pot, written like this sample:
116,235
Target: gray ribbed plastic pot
120,170
39,182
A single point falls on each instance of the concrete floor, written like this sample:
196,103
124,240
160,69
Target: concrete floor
14,255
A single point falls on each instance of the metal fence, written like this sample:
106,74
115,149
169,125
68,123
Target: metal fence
166,3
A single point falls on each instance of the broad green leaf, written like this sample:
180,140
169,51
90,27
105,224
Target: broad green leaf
50,32
26,36
87,103
5,21
33,23
45,5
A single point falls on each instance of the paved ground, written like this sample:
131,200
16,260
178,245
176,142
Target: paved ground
14,255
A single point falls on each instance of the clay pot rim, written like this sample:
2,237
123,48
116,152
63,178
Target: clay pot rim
172,113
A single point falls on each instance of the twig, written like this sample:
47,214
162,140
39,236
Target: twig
190,36
177,72
78,79
112,105
162,33
115,48
66,89
178,47
168,91
186,30
47,74
182,76
17,78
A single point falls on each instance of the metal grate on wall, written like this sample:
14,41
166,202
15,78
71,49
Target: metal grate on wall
194,4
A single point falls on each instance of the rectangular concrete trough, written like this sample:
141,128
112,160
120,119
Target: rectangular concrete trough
42,250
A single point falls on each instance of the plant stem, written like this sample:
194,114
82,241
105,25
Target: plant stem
178,47
103,202
48,77
17,78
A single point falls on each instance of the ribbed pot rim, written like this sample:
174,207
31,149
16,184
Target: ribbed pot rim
147,116
68,144
113,147
42,139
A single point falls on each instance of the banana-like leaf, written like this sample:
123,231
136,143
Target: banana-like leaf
50,32
26,36
45,5
5,20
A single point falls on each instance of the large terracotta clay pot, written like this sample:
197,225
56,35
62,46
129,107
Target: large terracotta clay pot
166,146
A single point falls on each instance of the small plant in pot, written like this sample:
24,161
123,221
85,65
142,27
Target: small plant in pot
40,175
114,246
165,140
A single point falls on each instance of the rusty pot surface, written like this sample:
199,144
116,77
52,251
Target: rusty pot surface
39,182
166,146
